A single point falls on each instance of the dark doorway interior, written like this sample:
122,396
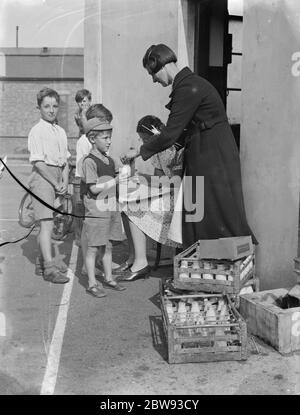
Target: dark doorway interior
213,47
213,43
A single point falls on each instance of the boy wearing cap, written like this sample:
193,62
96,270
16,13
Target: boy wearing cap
83,147
102,220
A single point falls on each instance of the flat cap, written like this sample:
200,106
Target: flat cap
96,125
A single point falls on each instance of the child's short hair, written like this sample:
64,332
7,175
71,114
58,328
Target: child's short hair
94,133
46,92
81,94
99,111
147,123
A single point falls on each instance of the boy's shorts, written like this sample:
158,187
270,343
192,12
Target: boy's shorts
99,231
45,191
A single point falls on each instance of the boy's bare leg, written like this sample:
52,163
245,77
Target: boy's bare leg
114,265
44,239
90,259
84,246
107,262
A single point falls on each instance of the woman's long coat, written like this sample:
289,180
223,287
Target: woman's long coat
198,120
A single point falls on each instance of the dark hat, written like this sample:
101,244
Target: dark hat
94,124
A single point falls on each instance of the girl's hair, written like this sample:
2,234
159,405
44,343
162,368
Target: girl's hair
99,111
46,92
81,94
158,56
146,123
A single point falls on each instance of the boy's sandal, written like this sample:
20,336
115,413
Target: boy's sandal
61,265
53,275
96,291
113,285
58,262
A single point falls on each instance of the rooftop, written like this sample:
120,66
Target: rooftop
41,51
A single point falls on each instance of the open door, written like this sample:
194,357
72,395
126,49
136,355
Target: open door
213,43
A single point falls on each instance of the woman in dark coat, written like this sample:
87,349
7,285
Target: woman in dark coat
198,121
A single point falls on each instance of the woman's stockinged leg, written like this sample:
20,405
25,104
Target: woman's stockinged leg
139,243
125,221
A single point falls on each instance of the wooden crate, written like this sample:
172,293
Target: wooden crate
187,343
236,275
265,319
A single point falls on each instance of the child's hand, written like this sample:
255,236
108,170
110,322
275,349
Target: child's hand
121,179
85,107
129,156
60,188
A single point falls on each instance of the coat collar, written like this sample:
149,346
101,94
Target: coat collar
179,77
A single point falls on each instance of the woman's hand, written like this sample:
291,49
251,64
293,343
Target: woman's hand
129,156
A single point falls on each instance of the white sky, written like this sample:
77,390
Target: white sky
53,23
235,7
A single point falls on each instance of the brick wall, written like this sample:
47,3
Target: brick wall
18,106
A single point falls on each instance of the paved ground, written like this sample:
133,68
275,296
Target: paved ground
60,340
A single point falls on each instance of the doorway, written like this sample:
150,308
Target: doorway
213,54
213,43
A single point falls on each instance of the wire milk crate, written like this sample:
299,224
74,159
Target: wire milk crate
202,328
195,273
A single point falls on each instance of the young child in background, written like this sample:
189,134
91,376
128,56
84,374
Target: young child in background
83,99
48,147
102,221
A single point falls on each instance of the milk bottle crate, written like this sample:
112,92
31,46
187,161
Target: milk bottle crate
215,339
191,272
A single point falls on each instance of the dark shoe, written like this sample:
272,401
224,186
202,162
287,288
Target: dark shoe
96,291
123,267
52,274
39,265
132,276
113,285
61,265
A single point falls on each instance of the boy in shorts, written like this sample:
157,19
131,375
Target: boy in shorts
47,144
102,222
83,147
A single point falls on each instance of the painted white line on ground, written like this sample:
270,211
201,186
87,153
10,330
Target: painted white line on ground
2,325
49,381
